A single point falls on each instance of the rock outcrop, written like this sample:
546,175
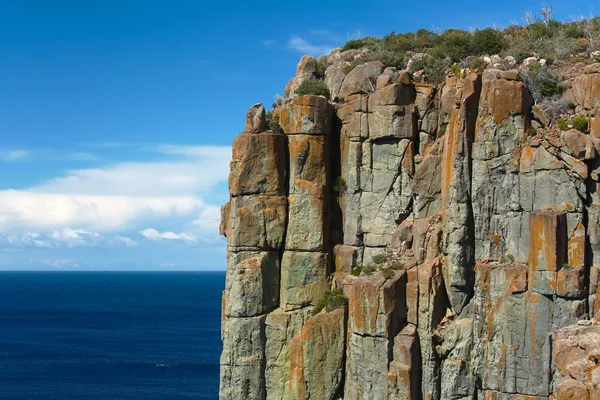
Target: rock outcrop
465,238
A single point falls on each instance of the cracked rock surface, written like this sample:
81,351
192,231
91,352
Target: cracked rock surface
465,240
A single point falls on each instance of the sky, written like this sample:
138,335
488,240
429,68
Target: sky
116,117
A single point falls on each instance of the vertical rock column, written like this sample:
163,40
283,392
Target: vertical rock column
254,222
307,123
459,243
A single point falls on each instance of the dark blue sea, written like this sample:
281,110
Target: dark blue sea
110,335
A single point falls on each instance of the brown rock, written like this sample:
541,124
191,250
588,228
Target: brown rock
257,222
585,91
595,126
570,389
345,258
316,357
307,114
362,79
580,144
309,159
256,120
547,249
395,94
376,305
257,165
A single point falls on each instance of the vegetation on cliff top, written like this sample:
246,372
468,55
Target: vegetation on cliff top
541,36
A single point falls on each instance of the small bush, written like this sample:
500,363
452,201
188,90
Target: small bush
562,124
574,31
355,44
339,185
380,258
571,105
455,44
434,68
456,69
369,269
273,121
580,123
387,273
321,68
487,41
567,266
540,82
356,270
478,64
314,87
331,300
397,266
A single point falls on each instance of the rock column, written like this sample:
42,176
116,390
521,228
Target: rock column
254,221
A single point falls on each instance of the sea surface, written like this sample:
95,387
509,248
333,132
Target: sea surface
110,335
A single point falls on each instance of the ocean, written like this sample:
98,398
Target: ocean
110,335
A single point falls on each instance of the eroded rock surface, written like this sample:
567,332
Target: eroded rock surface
465,238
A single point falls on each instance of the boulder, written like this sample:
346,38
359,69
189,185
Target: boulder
362,79
256,121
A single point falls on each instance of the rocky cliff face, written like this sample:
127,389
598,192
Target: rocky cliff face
475,222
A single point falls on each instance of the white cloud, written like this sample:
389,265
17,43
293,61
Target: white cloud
13,155
154,235
23,209
125,241
100,207
64,238
74,237
301,45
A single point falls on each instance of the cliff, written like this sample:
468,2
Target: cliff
461,220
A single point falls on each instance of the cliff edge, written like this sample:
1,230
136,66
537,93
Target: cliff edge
412,240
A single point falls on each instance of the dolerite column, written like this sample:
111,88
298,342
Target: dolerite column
254,222
307,124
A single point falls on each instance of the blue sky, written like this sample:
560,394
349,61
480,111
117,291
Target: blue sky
116,117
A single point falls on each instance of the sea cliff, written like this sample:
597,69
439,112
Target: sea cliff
414,240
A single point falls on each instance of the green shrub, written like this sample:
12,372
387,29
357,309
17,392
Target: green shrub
331,300
435,69
314,87
574,31
272,118
397,266
455,44
380,258
580,123
562,124
541,83
539,30
487,41
456,69
369,269
339,185
567,266
321,68
387,273
478,64
571,105
369,42
356,270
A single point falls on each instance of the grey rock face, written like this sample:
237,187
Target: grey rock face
450,245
